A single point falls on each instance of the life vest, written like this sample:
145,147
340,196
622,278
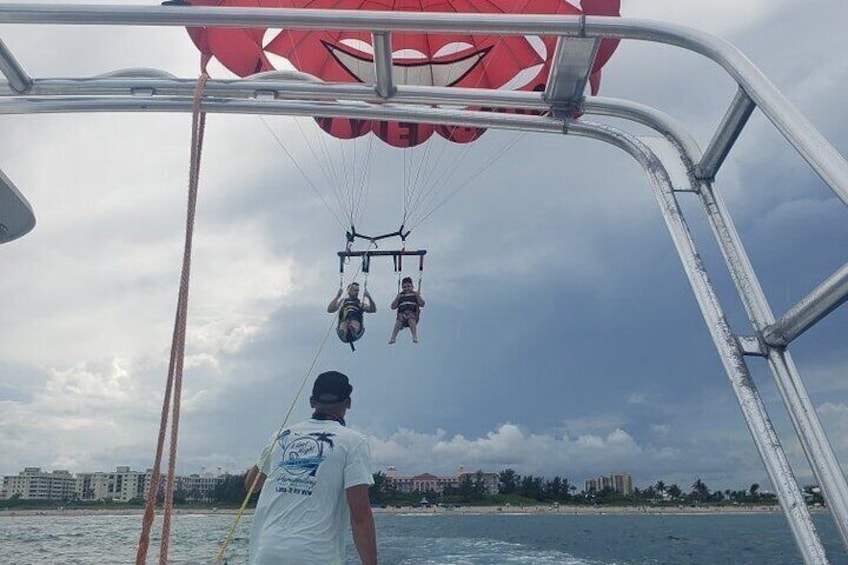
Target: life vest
407,302
351,309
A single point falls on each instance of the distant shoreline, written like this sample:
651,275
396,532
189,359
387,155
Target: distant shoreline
434,510
571,509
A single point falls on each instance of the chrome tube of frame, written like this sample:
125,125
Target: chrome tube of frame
423,114
732,356
806,423
819,303
725,136
382,42
288,18
19,80
806,139
150,82
801,134
670,128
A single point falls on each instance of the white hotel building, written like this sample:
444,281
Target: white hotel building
121,485
428,482
34,484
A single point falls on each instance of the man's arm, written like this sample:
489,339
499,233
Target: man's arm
362,524
395,302
371,306
418,297
250,476
334,304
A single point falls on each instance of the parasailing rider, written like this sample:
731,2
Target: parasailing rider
350,310
408,304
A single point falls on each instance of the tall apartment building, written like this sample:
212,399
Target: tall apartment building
618,482
34,484
122,485
623,483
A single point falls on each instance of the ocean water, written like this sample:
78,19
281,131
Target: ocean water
443,539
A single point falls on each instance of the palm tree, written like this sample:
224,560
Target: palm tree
660,488
700,490
508,481
379,491
553,488
567,487
674,491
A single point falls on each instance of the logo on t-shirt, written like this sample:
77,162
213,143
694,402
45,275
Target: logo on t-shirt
304,454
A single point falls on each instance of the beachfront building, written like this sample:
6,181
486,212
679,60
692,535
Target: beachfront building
199,487
34,484
122,485
617,482
491,481
426,482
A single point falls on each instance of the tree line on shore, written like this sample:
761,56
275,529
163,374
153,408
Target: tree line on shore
513,487
471,490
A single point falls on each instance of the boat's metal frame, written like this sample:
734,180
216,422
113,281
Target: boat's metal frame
290,93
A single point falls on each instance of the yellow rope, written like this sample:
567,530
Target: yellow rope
267,456
220,555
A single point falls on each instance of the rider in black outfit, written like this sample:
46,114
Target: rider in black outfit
350,309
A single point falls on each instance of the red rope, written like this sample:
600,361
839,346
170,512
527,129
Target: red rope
173,387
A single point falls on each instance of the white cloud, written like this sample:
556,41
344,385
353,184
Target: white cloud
715,16
79,414
511,447
593,424
660,428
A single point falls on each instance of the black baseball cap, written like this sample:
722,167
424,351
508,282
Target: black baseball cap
331,387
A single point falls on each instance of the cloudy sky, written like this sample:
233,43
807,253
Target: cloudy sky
560,335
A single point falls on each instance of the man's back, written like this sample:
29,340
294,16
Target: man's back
302,511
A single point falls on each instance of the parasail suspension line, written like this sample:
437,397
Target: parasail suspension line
350,188
449,174
302,172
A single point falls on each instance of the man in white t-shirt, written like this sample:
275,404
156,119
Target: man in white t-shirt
316,476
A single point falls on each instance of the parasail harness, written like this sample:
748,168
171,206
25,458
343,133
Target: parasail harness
397,256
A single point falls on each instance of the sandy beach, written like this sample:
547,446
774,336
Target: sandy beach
568,509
